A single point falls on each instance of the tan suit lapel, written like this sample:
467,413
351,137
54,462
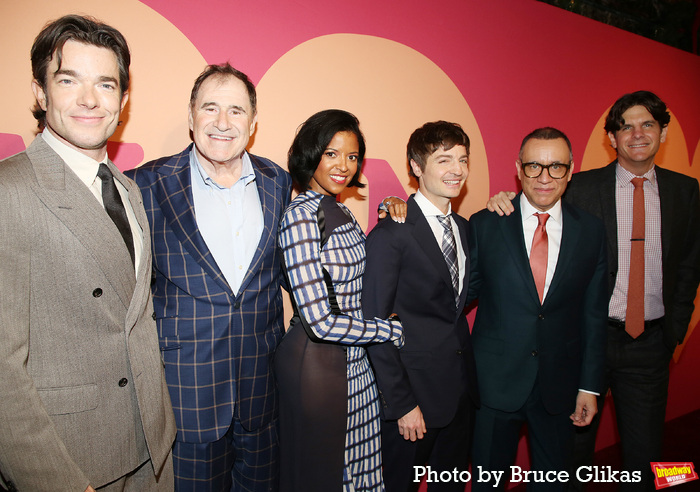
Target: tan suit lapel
62,192
143,276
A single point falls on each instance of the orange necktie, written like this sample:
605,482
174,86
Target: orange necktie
634,319
538,254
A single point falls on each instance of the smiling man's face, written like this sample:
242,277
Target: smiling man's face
221,120
82,97
638,140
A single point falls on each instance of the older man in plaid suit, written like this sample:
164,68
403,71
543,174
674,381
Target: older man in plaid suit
213,211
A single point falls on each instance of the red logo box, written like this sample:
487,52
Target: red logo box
668,474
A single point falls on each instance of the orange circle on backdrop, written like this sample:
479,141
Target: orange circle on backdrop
391,88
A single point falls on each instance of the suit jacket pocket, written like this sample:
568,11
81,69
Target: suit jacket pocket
69,399
168,333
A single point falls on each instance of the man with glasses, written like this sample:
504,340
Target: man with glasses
539,336
637,366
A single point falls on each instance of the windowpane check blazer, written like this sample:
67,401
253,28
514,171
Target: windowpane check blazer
217,345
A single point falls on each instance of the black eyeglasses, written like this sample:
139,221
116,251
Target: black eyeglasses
556,170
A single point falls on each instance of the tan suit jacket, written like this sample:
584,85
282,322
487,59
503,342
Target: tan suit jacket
82,394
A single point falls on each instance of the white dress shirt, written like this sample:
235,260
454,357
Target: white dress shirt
431,213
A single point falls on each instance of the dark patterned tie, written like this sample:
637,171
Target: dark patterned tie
449,250
115,207
634,318
538,254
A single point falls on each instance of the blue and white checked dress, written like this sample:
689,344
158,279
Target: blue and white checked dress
343,256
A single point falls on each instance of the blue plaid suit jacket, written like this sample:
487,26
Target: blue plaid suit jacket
217,346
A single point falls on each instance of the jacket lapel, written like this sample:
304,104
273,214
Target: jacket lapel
608,212
73,203
571,231
464,238
143,276
174,195
271,203
514,238
666,198
425,238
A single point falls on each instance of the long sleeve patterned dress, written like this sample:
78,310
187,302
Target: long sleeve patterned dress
310,400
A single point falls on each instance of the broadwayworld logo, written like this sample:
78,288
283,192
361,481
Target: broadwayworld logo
668,474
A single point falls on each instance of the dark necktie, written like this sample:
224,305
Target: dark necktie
449,250
115,207
634,318
538,254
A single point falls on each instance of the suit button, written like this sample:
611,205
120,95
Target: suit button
237,305
153,315
123,382
97,292
458,352
541,316
534,353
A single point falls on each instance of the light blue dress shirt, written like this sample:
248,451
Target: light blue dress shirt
229,219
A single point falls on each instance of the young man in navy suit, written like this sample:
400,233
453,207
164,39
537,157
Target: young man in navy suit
428,389
540,276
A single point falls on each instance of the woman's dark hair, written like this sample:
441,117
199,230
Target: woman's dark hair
312,139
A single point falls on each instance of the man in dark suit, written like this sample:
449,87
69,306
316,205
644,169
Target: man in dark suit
214,211
637,370
539,333
637,366
83,401
428,389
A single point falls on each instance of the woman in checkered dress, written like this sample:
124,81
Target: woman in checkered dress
329,409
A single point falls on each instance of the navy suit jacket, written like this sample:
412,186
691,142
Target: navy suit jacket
517,340
594,191
406,274
217,346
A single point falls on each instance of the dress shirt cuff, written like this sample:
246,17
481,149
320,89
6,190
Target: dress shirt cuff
590,392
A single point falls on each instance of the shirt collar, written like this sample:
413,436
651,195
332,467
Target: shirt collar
247,173
427,207
624,177
83,166
527,210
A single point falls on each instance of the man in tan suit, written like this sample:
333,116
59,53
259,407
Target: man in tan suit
83,401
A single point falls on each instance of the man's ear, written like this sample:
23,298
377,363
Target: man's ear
125,98
39,94
416,169
613,140
252,124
